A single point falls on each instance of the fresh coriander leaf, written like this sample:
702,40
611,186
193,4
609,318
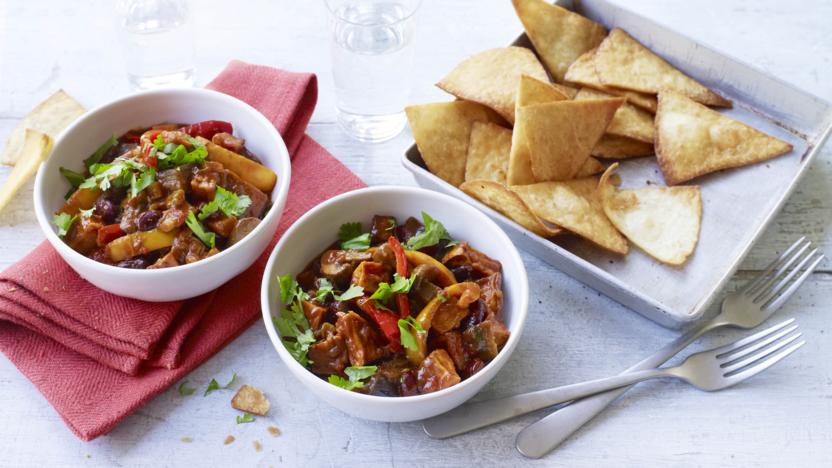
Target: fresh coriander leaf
383,293
292,324
442,297
401,285
101,151
63,221
355,375
348,231
408,340
180,155
228,202
287,288
433,232
159,142
213,385
352,238
245,418
452,243
185,390
351,293
324,288
86,213
231,382
137,184
74,178
207,238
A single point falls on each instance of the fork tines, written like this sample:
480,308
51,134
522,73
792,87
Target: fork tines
784,275
760,351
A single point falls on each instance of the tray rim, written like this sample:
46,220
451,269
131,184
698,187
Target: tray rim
675,318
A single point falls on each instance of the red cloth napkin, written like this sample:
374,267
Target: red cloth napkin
98,357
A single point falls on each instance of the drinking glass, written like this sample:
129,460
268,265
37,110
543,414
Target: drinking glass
372,57
158,40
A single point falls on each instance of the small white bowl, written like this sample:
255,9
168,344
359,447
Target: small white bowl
317,229
82,138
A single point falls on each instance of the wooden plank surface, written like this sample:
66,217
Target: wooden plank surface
781,418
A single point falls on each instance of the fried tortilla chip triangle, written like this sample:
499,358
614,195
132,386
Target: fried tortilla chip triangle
530,91
575,206
582,72
508,203
488,151
491,77
34,149
692,140
559,35
618,147
442,131
622,62
662,221
590,167
560,135
629,121
49,117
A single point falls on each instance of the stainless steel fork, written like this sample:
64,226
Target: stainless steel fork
746,308
707,370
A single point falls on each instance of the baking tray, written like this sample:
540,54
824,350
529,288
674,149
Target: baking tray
737,205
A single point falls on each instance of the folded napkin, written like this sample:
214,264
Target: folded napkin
97,357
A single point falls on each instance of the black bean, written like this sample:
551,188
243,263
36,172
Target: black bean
138,263
463,273
148,220
106,209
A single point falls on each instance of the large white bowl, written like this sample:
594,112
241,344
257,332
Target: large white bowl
82,138
317,229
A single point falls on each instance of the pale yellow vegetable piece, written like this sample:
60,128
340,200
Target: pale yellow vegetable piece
623,62
35,149
252,172
444,276
582,72
692,140
491,77
49,117
617,147
81,199
559,35
560,135
575,206
488,151
663,221
505,201
139,243
530,91
629,121
442,131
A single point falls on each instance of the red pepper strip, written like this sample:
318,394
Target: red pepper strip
208,128
387,322
109,233
401,269
151,161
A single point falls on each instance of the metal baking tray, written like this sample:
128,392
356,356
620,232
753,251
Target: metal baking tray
737,204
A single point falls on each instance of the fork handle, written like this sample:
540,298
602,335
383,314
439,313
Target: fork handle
472,416
541,437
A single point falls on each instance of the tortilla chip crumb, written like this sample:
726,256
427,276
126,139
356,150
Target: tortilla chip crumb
89,456
12,289
46,289
228,440
257,446
250,400
187,440
273,431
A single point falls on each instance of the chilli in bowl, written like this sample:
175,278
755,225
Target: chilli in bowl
164,196
400,310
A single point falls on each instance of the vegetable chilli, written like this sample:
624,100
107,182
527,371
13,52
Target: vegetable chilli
400,310
164,196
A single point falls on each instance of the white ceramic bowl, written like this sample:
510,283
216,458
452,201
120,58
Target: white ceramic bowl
317,229
82,138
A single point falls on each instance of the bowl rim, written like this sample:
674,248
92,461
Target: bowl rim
283,183
521,308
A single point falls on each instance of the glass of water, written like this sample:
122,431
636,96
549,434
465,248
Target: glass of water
158,40
372,56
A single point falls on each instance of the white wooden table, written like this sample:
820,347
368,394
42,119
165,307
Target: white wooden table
781,418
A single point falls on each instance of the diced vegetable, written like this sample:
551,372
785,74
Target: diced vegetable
445,277
207,129
385,320
82,199
109,233
139,243
256,174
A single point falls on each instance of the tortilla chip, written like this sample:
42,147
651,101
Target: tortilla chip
49,117
251,400
530,91
622,62
500,198
442,131
566,90
559,35
590,167
692,140
35,149
629,121
488,151
617,147
662,221
560,135
582,72
491,77
575,206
